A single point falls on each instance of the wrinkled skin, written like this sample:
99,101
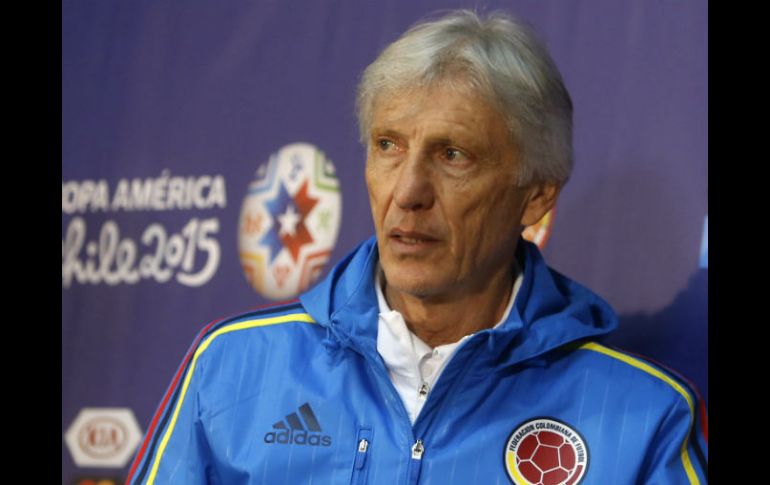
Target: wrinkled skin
441,173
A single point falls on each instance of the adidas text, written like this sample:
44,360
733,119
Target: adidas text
289,437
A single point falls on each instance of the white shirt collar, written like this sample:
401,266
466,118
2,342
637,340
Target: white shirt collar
412,364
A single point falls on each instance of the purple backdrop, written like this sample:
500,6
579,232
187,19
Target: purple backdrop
197,95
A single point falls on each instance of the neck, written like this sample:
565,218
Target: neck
444,319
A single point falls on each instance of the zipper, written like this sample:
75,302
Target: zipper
423,391
417,448
415,465
381,374
362,452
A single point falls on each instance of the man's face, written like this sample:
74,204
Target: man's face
441,172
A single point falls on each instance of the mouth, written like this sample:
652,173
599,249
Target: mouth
411,237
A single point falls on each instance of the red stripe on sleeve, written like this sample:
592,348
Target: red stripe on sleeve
704,422
162,406
668,369
701,404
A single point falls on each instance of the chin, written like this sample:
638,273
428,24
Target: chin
413,281
417,289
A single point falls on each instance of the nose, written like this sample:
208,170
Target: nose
414,187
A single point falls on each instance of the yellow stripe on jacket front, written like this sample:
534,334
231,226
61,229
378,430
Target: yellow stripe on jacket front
296,317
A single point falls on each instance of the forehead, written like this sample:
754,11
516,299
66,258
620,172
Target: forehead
441,107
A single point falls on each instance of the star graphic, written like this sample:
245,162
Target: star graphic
288,221
275,206
289,231
301,236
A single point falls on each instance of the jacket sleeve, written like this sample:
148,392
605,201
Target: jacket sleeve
175,449
679,452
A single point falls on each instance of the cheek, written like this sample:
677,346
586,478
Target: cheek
466,218
481,224
377,192
370,176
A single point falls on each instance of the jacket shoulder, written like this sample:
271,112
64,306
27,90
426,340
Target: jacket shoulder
277,318
226,347
645,376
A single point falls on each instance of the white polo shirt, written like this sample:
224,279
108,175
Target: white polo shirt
413,366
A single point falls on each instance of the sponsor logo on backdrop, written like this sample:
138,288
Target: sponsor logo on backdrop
539,232
187,253
544,451
704,245
103,437
289,221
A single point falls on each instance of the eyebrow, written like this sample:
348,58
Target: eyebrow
432,140
376,131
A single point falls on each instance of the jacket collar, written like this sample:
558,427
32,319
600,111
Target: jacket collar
550,309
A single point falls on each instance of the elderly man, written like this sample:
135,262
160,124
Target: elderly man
444,350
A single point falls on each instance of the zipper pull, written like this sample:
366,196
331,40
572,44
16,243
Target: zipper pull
363,447
416,464
417,450
423,391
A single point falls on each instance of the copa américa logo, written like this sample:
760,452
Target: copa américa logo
289,221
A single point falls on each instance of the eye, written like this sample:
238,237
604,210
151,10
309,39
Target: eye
384,144
451,153
455,155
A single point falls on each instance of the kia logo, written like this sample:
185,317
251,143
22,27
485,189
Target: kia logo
102,437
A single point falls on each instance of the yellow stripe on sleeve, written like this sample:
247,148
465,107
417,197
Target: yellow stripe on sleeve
296,317
639,364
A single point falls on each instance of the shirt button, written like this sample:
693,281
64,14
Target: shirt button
435,352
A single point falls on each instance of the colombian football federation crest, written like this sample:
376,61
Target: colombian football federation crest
289,221
544,451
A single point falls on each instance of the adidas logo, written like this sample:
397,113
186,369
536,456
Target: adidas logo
298,433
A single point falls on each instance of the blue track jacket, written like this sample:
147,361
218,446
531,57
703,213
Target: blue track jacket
297,394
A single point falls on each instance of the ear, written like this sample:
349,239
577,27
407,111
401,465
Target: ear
541,198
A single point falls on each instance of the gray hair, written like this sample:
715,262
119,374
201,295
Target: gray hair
504,62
